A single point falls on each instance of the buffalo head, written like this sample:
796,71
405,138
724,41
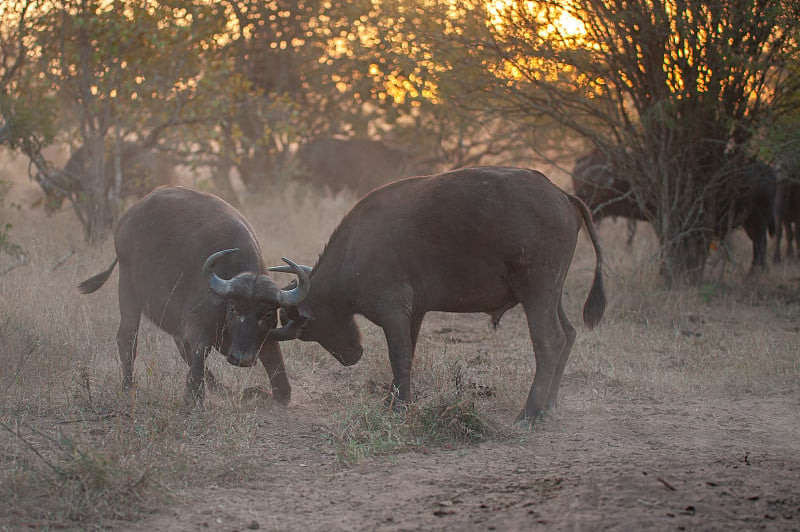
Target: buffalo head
334,330
251,302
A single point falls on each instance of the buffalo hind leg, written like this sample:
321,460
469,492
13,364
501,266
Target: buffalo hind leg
185,349
569,332
549,340
776,258
272,359
128,332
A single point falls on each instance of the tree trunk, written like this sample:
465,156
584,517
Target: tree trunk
95,205
683,258
98,219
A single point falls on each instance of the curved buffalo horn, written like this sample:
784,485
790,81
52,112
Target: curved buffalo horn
287,332
289,269
219,286
290,298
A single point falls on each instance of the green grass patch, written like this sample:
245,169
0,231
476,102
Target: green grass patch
445,418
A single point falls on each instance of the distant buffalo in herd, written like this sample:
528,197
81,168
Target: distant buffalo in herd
769,206
358,165
141,170
788,207
606,194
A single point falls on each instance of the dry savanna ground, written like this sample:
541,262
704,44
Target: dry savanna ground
679,412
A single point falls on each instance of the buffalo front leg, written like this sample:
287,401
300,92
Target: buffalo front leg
186,353
197,369
549,341
401,354
272,359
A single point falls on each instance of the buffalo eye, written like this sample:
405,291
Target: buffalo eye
236,309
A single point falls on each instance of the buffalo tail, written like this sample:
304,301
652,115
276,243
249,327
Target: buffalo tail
93,283
596,302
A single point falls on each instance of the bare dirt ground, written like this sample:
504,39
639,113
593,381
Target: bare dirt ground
617,463
687,465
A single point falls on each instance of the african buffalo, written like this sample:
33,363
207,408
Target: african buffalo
788,206
356,164
471,240
753,208
192,264
142,169
605,193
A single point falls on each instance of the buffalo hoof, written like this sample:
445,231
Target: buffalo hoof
258,393
282,397
395,404
526,420
212,383
194,396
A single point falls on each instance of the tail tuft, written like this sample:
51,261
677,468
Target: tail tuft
595,304
92,284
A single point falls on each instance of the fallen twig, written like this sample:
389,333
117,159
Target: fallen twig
62,260
55,468
101,417
667,484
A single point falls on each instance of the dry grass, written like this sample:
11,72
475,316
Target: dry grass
75,449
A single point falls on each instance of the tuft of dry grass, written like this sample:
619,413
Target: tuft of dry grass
446,413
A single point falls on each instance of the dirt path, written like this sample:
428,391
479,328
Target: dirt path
711,465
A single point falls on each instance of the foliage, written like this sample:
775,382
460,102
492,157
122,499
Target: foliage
678,95
233,84
672,92
25,118
121,74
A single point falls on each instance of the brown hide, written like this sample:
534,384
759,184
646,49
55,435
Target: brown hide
472,240
162,243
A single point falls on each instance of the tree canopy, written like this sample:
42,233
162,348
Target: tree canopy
680,95
677,94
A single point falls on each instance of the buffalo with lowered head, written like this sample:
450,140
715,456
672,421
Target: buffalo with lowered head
191,263
471,240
